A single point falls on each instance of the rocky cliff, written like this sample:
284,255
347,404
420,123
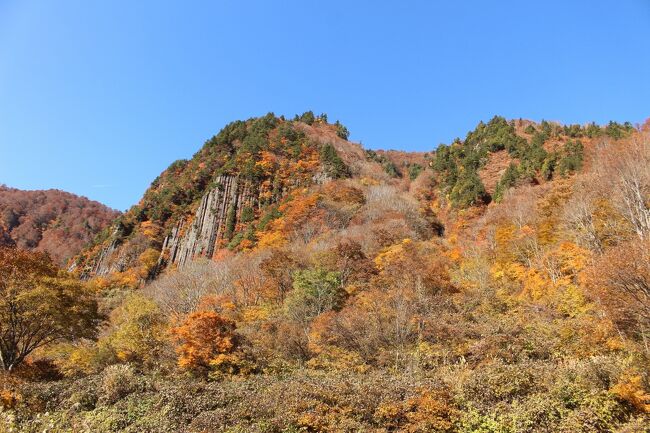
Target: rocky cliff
199,235
105,262
216,200
203,234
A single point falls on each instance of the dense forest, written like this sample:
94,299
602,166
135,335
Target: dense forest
285,279
56,222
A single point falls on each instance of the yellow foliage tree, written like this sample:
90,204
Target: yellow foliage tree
39,306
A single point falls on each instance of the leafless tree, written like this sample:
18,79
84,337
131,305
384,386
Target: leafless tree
625,167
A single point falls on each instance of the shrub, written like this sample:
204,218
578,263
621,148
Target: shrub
432,411
315,291
118,381
414,171
631,390
10,396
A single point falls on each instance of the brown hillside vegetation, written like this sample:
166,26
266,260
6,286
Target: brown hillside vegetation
287,280
51,221
494,169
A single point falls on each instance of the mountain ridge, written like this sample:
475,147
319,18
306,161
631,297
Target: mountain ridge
497,284
57,222
250,154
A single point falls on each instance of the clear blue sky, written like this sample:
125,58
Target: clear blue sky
98,97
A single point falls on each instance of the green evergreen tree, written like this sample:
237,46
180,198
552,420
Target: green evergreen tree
469,190
308,117
549,166
592,130
414,171
231,221
247,214
507,181
572,158
334,165
341,131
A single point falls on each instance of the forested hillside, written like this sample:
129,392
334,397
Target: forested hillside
285,279
53,221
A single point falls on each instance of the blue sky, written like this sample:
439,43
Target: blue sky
98,97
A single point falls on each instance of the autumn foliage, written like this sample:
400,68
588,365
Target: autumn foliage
207,342
370,291
39,305
52,221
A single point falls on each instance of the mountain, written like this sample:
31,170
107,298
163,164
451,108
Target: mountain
226,195
286,279
53,221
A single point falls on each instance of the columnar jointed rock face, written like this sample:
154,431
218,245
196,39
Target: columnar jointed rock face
200,236
188,213
111,258
209,227
104,264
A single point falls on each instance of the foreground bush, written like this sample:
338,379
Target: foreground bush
595,395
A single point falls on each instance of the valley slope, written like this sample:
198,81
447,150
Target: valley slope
53,221
285,279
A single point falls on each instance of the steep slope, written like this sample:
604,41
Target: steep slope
225,196
501,154
341,291
221,197
53,221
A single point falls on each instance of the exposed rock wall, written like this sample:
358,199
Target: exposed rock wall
205,233
102,265
201,235
108,260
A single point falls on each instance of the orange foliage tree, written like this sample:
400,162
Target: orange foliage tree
205,340
39,305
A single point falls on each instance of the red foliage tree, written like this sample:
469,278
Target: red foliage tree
52,221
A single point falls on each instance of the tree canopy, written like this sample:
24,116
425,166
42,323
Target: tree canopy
39,305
